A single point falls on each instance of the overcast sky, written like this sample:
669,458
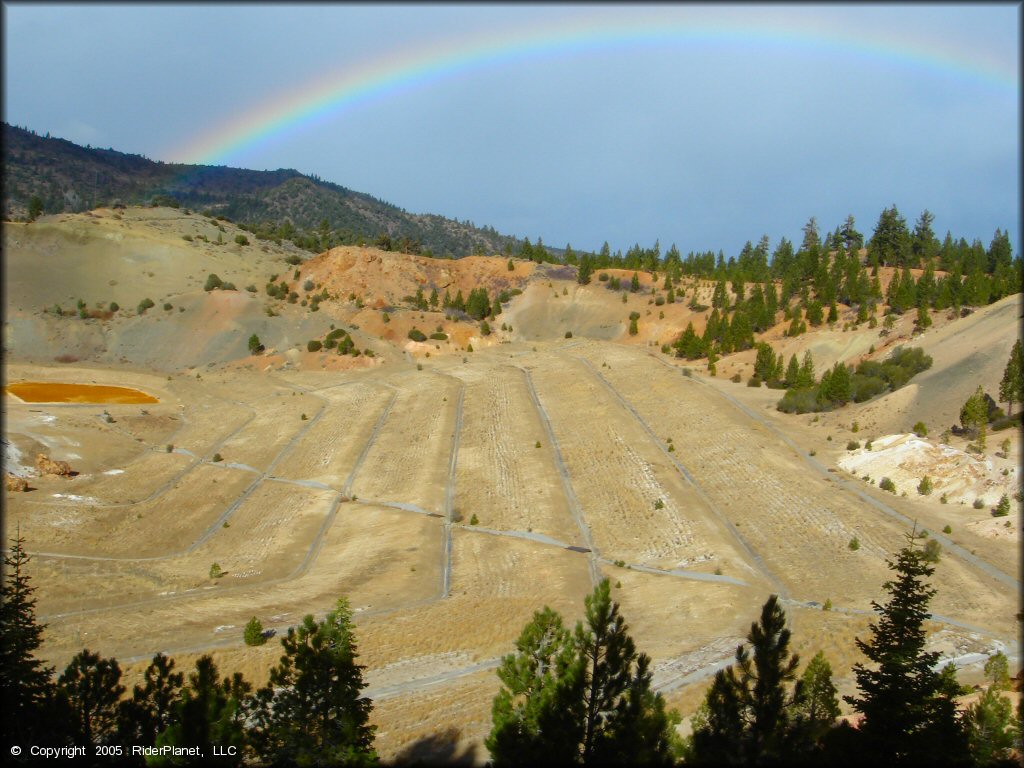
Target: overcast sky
705,126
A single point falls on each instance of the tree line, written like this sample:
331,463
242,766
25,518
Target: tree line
581,696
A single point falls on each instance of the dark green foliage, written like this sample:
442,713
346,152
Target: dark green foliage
26,689
750,710
817,707
313,710
1003,507
1011,386
88,692
35,207
314,345
241,239
417,335
991,731
908,716
212,282
768,365
150,709
208,713
580,699
255,346
439,336
144,305
887,484
253,633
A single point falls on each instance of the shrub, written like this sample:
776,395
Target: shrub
754,381
932,551
314,345
144,305
925,486
212,282
886,484
474,519
853,445
217,457
417,335
947,529
943,499
169,447
568,334
253,634
114,306
828,604
167,306
537,445
1003,507
215,571
439,336
979,503
659,504
854,545
920,429
736,378
241,239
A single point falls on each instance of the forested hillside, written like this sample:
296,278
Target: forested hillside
45,175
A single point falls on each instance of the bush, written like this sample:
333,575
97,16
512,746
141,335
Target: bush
216,571
804,400
168,307
313,345
417,335
114,306
886,484
920,429
932,551
925,486
979,503
308,286
217,457
736,378
853,445
144,305
854,545
439,336
754,381
568,334
241,239
213,282
1003,507
253,634
947,529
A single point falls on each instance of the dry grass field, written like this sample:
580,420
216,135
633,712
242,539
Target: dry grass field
449,497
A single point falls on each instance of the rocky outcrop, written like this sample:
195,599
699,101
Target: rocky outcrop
48,466
13,483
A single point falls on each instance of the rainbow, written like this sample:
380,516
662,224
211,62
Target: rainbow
332,94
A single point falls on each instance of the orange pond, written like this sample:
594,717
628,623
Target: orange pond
56,392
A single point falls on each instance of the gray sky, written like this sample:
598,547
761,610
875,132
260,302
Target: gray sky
705,126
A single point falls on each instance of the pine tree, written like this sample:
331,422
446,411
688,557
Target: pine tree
634,284
818,707
1011,387
313,708
537,714
149,710
991,731
580,699
974,415
26,686
908,719
253,633
89,690
208,713
750,711
806,377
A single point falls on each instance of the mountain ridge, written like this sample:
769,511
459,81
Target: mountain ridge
69,178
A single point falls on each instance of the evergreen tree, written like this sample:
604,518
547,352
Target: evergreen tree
908,719
89,690
634,284
208,713
792,372
991,732
890,243
313,710
26,687
806,377
580,699
537,714
150,709
818,708
750,709
253,633
1011,387
974,414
